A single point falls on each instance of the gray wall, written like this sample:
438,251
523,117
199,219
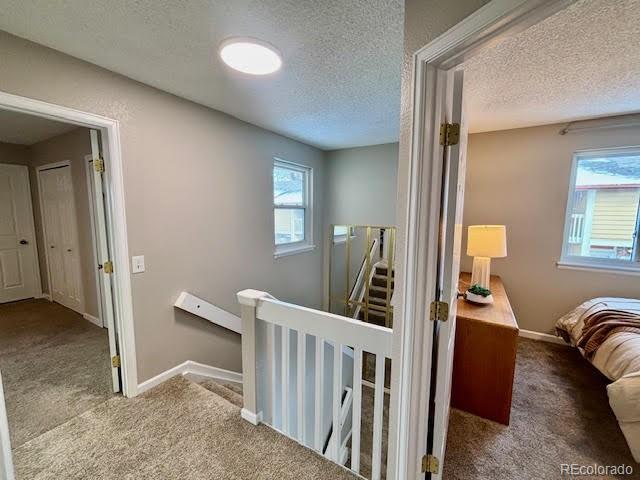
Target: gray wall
14,154
520,178
361,185
72,146
360,189
198,197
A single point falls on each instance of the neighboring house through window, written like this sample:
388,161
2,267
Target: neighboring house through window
292,211
602,221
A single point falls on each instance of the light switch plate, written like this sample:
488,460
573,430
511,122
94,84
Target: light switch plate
137,264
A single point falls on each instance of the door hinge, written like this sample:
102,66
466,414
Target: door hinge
449,134
430,464
98,165
439,311
115,361
108,266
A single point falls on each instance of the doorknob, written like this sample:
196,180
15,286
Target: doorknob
23,242
68,250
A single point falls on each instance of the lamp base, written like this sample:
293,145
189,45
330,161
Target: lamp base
481,273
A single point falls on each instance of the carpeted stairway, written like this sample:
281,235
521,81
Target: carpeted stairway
178,430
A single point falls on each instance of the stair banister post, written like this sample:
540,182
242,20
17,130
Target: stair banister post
249,300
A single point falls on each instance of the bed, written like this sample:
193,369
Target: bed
615,352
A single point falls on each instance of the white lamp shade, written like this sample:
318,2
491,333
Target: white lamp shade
487,241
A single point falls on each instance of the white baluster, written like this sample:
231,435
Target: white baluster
318,440
357,409
378,405
285,380
271,370
337,401
302,343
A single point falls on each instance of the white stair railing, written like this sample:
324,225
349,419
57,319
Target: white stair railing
297,365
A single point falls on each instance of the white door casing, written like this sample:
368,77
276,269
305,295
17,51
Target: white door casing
6,462
19,270
103,254
60,230
454,167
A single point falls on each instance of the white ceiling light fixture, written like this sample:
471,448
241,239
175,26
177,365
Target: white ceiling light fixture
249,55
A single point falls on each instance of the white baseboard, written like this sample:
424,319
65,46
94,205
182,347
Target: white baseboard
199,371
92,319
193,371
253,418
543,337
46,296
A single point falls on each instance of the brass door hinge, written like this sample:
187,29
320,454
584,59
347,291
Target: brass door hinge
439,311
98,165
430,464
449,134
108,266
115,361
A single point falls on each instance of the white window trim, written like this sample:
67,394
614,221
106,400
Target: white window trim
593,264
307,244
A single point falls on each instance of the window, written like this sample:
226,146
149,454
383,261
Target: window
603,219
292,215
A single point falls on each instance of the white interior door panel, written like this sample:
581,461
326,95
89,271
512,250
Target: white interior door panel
19,275
61,237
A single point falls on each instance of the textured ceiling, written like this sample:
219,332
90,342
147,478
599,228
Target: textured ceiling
27,129
582,62
339,85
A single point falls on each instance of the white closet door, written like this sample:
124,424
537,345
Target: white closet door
61,237
19,277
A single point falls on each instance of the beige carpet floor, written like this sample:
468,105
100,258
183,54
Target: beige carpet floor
560,414
55,365
179,430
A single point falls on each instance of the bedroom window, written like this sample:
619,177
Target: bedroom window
603,211
292,212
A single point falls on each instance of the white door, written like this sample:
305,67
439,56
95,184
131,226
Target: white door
453,176
104,254
19,275
61,236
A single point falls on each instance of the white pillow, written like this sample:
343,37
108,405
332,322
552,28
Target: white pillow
624,397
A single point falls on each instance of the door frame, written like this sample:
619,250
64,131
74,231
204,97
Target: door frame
39,169
34,243
116,219
420,213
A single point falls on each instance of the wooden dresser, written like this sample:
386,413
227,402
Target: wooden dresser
485,355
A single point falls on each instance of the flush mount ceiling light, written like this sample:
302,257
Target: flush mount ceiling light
248,55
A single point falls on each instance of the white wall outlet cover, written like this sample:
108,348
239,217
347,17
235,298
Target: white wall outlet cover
137,264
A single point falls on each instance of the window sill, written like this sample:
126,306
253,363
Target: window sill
286,251
340,239
598,267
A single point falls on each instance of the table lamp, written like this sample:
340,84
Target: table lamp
484,242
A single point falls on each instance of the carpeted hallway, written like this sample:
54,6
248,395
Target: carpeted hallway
55,365
560,414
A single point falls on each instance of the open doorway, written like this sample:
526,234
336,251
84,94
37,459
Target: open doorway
59,351
528,156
